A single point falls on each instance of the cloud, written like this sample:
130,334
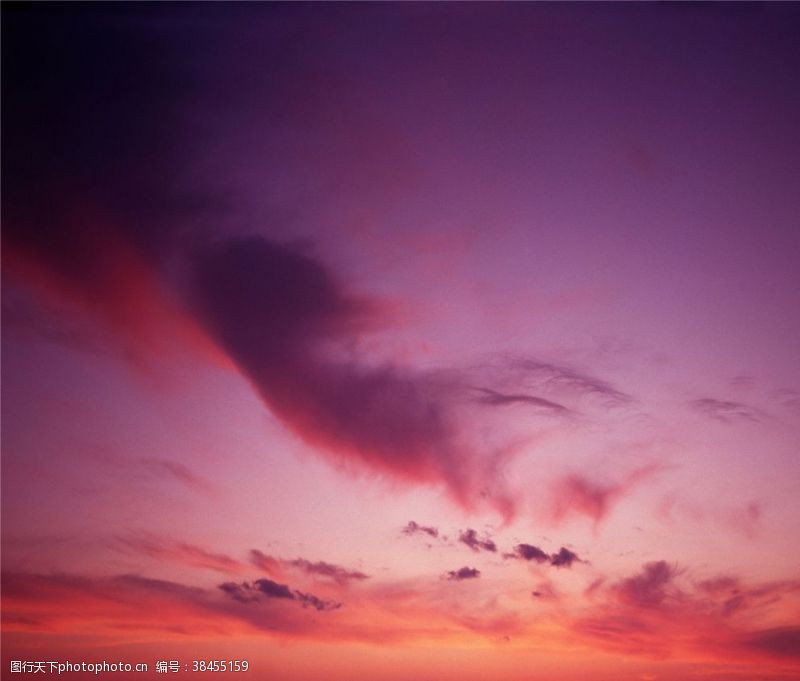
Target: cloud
649,588
246,592
726,411
564,558
272,589
414,528
778,641
470,538
545,591
658,612
558,379
88,137
284,318
498,399
528,552
463,573
243,593
578,495
265,563
178,552
176,471
309,600
337,573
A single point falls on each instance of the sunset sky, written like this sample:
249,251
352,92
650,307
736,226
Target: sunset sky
403,341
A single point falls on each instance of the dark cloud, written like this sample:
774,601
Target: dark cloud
310,600
726,411
277,311
272,589
471,539
564,558
99,213
498,399
463,573
414,528
779,641
528,552
95,131
243,593
648,589
246,592
337,573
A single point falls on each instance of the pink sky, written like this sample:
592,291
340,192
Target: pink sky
447,341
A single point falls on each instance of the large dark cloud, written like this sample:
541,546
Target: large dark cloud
281,315
99,212
104,209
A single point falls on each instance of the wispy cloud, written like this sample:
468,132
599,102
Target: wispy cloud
337,573
726,411
184,553
577,494
498,399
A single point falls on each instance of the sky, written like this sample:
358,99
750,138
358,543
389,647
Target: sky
390,341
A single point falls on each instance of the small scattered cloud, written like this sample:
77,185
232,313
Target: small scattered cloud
247,592
414,528
471,539
463,573
528,552
564,558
